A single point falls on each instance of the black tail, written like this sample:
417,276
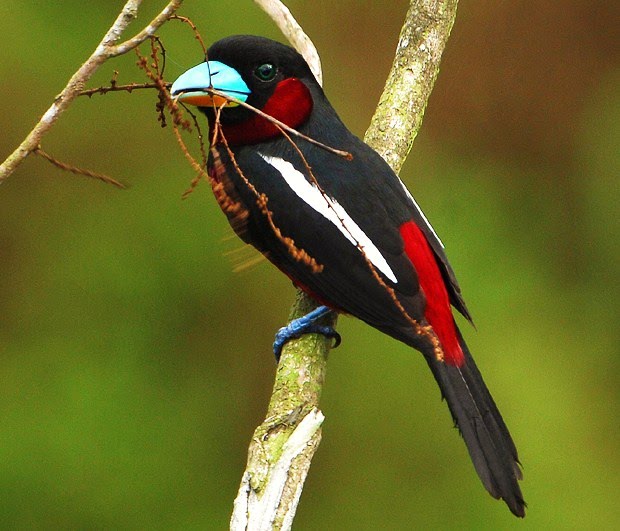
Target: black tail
487,438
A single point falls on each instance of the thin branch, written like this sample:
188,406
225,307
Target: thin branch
281,125
197,34
272,483
78,171
194,182
291,29
106,49
129,87
148,31
261,199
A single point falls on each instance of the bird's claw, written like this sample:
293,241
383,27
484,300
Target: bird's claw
305,325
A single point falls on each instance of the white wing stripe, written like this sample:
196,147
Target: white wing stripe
331,210
417,207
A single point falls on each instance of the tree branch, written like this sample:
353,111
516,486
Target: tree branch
295,34
399,115
282,447
106,49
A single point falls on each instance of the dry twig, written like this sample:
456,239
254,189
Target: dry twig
108,47
129,87
78,171
197,35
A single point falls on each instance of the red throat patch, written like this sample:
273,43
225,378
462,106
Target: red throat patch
438,312
291,103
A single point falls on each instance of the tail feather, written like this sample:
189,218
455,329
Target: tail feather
488,440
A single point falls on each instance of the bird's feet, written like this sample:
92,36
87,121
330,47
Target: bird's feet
306,324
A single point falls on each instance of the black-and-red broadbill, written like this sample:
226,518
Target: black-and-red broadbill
344,229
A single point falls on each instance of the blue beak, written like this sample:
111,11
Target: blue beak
191,87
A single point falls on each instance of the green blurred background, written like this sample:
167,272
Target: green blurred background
135,364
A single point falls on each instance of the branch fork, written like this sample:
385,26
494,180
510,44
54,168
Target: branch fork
106,49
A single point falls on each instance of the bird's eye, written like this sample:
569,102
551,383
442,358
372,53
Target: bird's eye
266,72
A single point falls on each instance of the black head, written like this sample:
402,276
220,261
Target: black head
251,56
261,72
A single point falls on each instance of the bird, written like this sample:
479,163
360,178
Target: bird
341,225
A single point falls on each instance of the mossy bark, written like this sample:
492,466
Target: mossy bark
399,115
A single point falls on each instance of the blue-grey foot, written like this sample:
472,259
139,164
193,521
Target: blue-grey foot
306,324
